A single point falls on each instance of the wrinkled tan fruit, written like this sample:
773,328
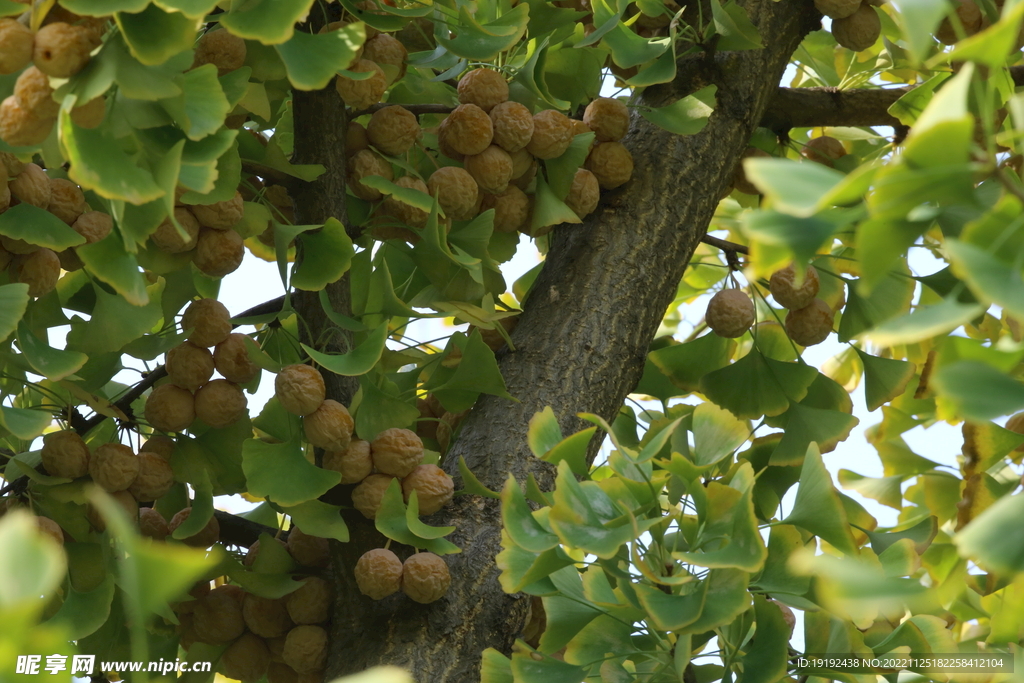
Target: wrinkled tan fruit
513,126
611,163
310,604
231,358
730,313
198,591
1016,424
19,128
309,551
66,200
31,186
739,176
366,497
152,524
13,164
154,480
787,615
405,213
40,270
305,647
221,48
90,114
161,445
396,451
356,138
378,573
365,93
209,321
511,209
266,617
220,403
386,51
467,130
608,118
329,426
61,50
167,238
35,95
824,150
811,324
126,502
15,46
204,538
786,292
354,463
69,260
859,31
279,672
425,577
217,617
170,408
484,88
434,488
65,454
584,193
246,659
218,252
364,164
456,191
220,215
300,389
93,226
393,130
491,169
970,17
552,134
189,366
523,167
113,467
50,528
837,9
16,246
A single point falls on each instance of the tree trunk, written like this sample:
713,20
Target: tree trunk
580,344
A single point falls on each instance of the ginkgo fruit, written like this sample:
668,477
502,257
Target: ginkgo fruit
730,313
378,573
300,389
396,451
485,88
425,577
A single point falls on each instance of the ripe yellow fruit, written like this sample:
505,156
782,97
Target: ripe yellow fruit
456,191
584,193
730,313
65,454
393,130
66,200
61,50
405,213
170,408
305,647
434,488
40,270
491,169
231,358
608,118
365,93
217,617
611,163
189,366
220,403
204,538
362,165
388,53
113,466
19,128
90,114
366,497
396,451
35,95
300,389
154,480
859,31
15,46
811,324
209,321
31,186
220,215
837,9
787,293
467,130
552,134
160,445
425,577
739,176
310,604
329,426
354,463
266,617
167,238
248,658
511,209
218,252
484,88
13,164
513,126
309,551
824,150
378,573
221,48
93,226
152,524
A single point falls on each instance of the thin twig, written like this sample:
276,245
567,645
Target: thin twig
272,174
725,245
412,108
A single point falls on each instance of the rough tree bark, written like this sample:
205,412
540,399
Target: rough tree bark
580,343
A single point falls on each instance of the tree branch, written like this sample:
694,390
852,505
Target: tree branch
413,108
240,531
272,174
725,245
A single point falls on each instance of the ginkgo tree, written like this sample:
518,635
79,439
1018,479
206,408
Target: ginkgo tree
446,506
